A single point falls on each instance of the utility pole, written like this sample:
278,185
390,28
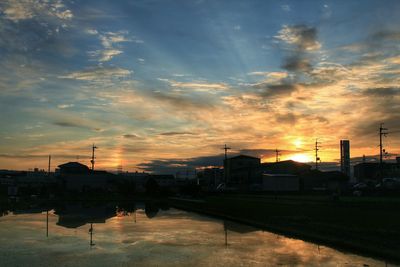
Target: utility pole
226,151
48,168
317,147
277,154
225,148
92,161
91,234
382,132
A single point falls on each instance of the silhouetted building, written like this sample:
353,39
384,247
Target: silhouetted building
280,182
372,170
78,177
211,177
285,167
73,168
345,157
242,170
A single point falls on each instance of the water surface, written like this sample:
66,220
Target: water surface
153,237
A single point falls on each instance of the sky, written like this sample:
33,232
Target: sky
162,85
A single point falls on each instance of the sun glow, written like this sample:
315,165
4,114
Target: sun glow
297,143
301,158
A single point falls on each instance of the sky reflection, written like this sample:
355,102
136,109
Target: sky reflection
172,238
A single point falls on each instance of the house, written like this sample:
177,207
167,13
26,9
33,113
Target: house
374,171
78,177
241,170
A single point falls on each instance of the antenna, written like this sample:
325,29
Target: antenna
92,161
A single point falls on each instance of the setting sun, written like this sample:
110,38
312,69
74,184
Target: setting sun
301,158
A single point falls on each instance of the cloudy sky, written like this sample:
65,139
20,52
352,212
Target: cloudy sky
159,84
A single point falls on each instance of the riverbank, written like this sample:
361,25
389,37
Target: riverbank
369,226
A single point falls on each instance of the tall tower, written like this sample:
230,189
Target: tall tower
345,157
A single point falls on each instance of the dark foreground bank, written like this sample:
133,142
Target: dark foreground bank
369,226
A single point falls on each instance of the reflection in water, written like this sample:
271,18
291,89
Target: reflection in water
161,237
91,234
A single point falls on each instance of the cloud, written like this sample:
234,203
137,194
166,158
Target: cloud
105,55
296,63
262,153
63,106
177,133
382,92
98,74
286,8
302,41
17,10
130,136
76,124
110,41
172,166
301,36
287,118
197,86
180,101
276,90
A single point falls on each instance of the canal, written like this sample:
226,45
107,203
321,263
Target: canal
148,235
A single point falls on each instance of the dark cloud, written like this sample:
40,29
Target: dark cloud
296,63
177,133
307,37
369,125
130,136
385,35
182,101
287,118
173,166
301,39
72,124
68,124
276,90
382,92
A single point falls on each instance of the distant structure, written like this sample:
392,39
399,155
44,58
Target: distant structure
345,157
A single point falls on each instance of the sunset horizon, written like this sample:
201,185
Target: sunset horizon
158,84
